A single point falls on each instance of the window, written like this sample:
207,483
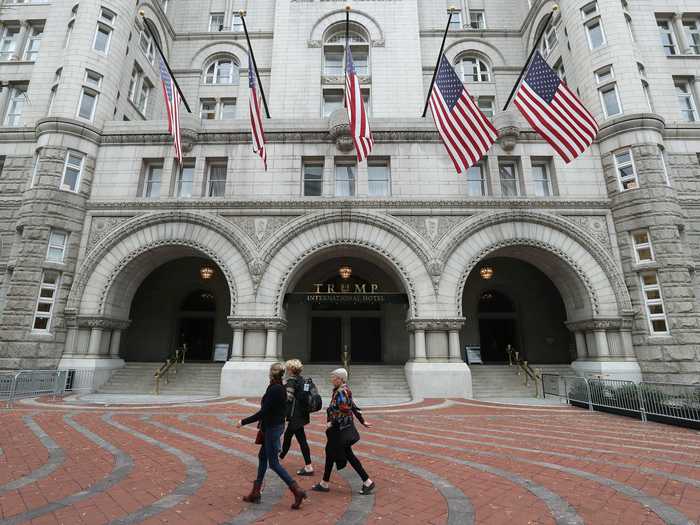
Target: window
477,19
345,175
668,40
476,181
208,111
486,105
103,34
35,168
211,109
57,246
147,45
604,75
643,252
46,300
216,22
626,172
334,52
312,173
332,100
589,10
474,70
549,40
559,68
154,176
692,31
645,85
237,24
72,171
378,178
456,21
9,35
139,89
144,94
628,19
662,155
541,179
71,24
654,303
610,100
686,100
18,96
222,71
596,35
227,109
89,95
216,183
509,179
31,52
185,180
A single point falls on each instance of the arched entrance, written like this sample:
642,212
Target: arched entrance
344,299
514,303
182,302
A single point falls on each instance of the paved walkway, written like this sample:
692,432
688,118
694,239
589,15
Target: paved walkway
435,462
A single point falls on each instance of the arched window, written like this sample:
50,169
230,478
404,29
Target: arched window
146,43
222,70
474,69
334,51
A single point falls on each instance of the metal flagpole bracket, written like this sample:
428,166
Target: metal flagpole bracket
142,13
450,11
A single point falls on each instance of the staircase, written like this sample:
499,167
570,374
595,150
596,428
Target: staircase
376,382
192,379
503,381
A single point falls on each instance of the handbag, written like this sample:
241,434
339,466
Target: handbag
260,437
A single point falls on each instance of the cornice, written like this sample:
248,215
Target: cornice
69,127
634,122
24,134
612,323
257,323
435,325
105,323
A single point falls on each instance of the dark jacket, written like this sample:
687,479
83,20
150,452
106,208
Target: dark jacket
272,408
297,409
342,433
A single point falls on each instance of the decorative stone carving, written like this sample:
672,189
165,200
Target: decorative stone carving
596,225
435,325
508,131
433,228
257,269
435,268
614,323
104,323
314,43
339,130
257,323
101,227
189,139
260,228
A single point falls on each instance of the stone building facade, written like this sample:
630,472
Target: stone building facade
103,237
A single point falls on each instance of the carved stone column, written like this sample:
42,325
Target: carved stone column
581,350
436,339
95,341
455,351
255,338
419,345
237,345
271,345
114,344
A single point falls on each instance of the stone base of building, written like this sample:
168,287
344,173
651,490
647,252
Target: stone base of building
245,378
91,372
625,370
437,380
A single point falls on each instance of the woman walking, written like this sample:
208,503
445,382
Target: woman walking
297,415
270,420
342,434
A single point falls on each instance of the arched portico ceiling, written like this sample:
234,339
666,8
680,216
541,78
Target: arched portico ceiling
383,238
113,270
582,269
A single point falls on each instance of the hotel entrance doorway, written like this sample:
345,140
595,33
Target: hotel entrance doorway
361,336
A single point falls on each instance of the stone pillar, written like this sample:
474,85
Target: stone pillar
237,345
114,343
581,349
601,343
419,345
271,345
455,351
95,341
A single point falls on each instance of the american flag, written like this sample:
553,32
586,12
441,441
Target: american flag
465,130
554,111
256,119
172,104
359,125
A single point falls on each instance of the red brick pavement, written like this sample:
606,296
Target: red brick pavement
484,463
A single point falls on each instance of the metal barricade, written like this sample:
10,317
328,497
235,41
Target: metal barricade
669,400
32,383
78,381
553,385
7,381
577,391
616,394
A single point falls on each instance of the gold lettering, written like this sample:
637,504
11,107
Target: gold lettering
318,288
331,288
344,288
360,288
375,287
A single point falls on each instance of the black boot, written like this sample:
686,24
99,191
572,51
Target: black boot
254,496
299,495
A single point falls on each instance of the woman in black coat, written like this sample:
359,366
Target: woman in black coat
297,415
270,420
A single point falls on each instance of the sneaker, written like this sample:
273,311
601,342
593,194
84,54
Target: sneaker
304,472
320,488
367,489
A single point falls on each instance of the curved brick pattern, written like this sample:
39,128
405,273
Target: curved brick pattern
435,462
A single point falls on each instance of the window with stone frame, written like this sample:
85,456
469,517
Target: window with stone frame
72,171
153,179
334,50
508,173
89,95
312,177
185,180
473,69
9,41
641,243
207,109
542,177
216,22
56,249
456,21
626,171
654,303
15,106
692,33
664,168
216,178
476,180
686,99
31,50
487,105
667,36
222,70
345,177
48,294
378,177
477,19
595,33
70,26
103,33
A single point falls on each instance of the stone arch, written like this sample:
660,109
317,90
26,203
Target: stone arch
157,23
114,269
360,18
536,26
394,250
209,52
485,50
581,268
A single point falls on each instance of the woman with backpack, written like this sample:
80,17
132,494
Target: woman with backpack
298,411
342,434
270,420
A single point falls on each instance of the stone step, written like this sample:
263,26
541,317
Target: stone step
493,381
190,379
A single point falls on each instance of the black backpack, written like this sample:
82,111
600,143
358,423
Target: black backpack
313,399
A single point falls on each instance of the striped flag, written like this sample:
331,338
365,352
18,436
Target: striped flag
554,111
172,105
465,130
256,119
359,125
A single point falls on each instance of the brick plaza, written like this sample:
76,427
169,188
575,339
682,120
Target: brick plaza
435,462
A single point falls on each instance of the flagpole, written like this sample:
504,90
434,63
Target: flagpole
532,53
451,10
255,64
162,56
347,43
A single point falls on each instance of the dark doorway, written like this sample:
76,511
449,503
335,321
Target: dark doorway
366,342
198,334
496,334
326,338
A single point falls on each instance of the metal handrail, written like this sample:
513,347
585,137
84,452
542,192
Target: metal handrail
171,363
529,373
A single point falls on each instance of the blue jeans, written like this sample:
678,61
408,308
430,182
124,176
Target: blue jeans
269,454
